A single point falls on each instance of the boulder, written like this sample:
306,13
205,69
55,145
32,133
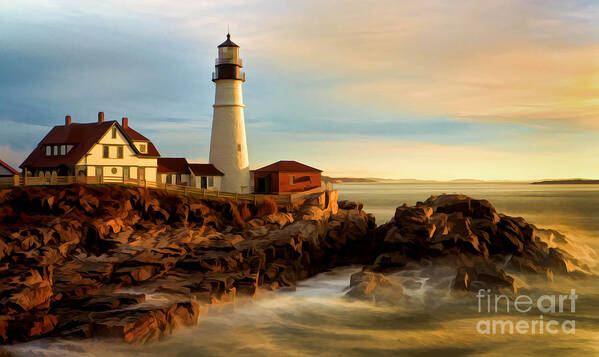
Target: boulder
372,286
350,205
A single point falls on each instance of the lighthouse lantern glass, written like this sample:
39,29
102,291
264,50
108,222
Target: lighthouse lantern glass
228,54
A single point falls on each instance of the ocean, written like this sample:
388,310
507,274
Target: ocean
316,319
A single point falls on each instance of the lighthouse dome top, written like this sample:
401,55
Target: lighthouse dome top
228,42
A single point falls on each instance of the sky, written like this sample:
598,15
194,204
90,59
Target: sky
430,89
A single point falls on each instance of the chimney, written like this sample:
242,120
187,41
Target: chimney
67,120
125,123
100,117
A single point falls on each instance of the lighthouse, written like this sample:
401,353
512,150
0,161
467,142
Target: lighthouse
228,146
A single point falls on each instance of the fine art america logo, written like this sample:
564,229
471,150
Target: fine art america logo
524,304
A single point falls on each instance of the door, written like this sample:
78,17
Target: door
141,173
99,171
126,174
204,182
263,185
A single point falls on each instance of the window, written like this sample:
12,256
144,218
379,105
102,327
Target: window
119,152
238,147
169,179
55,147
48,150
63,149
142,148
291,180
210,181
113,170
106,151
114,133
69,148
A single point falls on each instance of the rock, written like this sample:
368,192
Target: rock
279,218
391,261
350,205
484,274
374,287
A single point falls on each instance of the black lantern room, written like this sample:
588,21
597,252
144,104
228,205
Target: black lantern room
228,63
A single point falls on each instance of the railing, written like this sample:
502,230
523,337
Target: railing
280,199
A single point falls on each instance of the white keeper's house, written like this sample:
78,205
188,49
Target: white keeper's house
112,149
103,148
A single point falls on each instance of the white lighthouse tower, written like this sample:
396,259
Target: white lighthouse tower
228,146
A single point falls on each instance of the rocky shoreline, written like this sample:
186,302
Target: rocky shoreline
82,261
134,264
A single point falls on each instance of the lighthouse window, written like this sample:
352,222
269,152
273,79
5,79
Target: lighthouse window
238,147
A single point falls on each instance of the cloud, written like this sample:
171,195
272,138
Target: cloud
528,62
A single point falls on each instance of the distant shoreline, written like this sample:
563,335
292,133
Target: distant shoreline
566,182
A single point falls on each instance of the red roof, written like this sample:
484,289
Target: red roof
287,166
8,167
205,170
136,136
82,136
173,164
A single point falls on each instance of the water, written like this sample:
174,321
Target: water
429,321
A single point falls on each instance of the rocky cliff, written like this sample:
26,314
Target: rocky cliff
83,261
134,264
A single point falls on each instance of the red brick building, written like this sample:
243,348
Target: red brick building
286,176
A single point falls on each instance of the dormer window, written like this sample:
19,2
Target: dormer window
56,150
142,148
